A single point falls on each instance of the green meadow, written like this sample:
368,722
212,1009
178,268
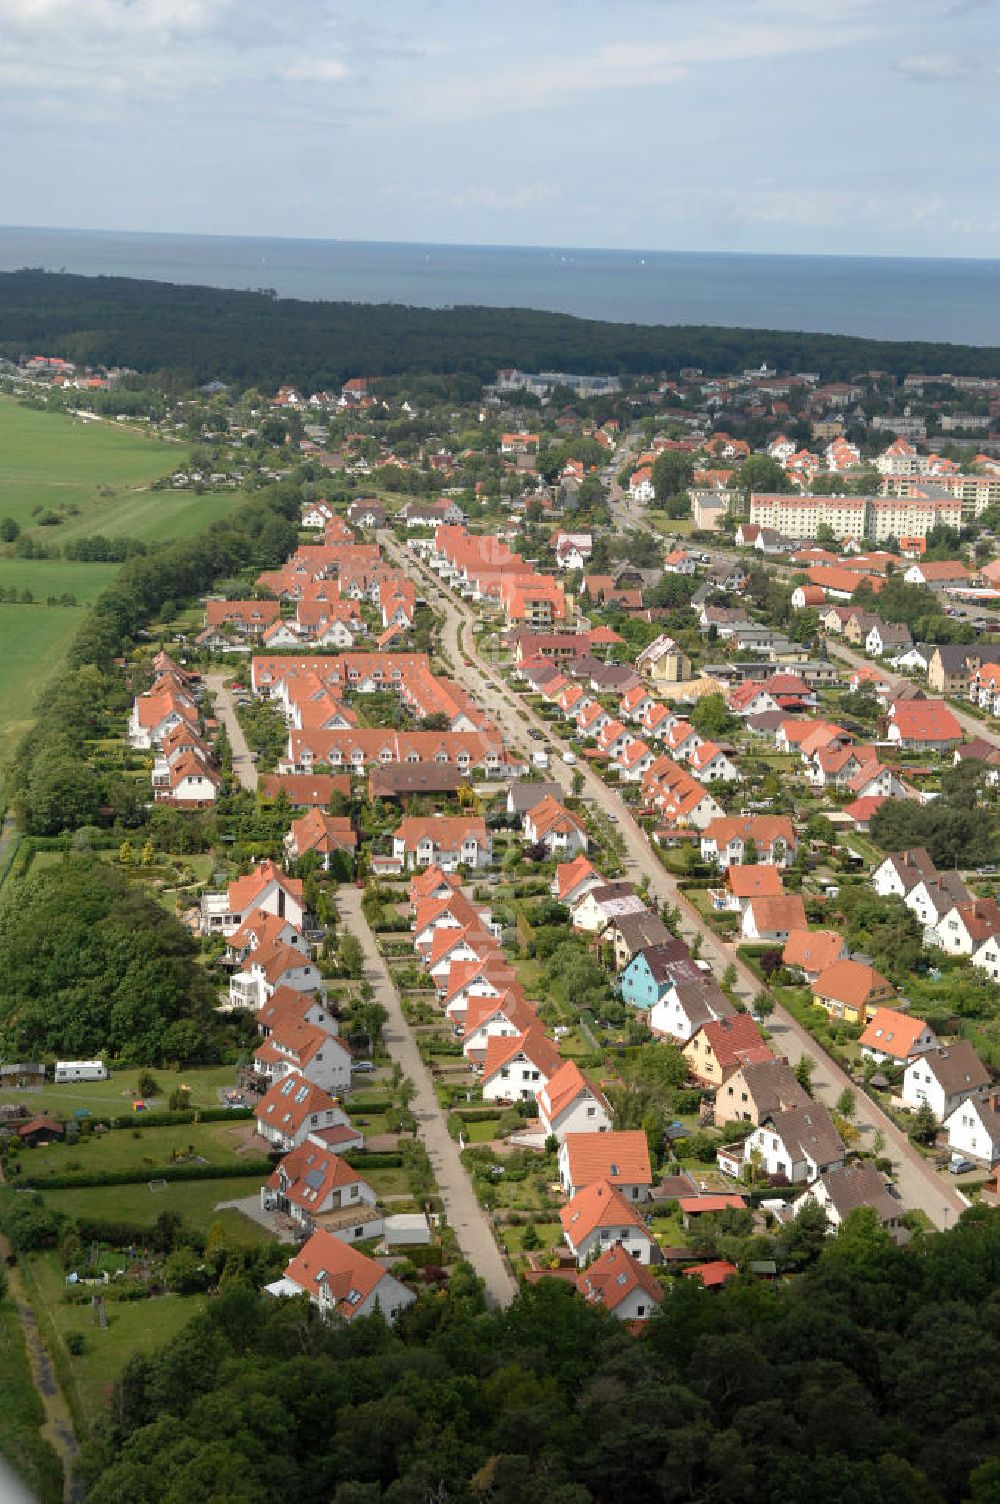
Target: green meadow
95,477
54,462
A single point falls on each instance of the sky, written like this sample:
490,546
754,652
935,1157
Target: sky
842,126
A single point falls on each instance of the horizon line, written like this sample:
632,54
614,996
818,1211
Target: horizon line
465,245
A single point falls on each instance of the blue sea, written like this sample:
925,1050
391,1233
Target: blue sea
883,297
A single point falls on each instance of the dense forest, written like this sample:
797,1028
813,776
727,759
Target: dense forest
254,338
873,1376
90,964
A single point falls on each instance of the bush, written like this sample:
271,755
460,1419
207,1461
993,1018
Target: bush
76,1343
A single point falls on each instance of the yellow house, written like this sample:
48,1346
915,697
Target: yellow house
720,1047
850,991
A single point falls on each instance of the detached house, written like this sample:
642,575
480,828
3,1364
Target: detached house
518,1066
619,1159
570,1103
292,1109
943,1079
622,1285
923,725
720,1047
757,1090
896,1038
598,1217
446,841
266,888
973,1129
798,1143
842,1191
551,825
312,1182
851,991
342,1282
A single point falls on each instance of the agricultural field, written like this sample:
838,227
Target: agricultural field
50,462
36,637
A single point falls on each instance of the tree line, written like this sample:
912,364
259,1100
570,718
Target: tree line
872,1376
189,335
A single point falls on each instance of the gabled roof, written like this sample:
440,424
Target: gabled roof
564,1088
893,1033
759,881
849,982
615,1276
925,721
734,1041
348,1276
620,1158
957,1068
812,950
534,1044
597,1205
777,915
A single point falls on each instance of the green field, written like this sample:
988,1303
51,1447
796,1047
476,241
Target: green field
193,1200
55,462
118,1094
143,1150
133,1327
35,638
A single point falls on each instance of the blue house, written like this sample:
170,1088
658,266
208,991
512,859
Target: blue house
652,972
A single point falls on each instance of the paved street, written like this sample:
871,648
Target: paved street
919,1185
225,709
475,1237
970,724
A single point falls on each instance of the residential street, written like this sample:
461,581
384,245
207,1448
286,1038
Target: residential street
919,1185
475,1237
243,767
969,723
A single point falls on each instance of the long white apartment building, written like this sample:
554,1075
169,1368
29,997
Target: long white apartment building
874,518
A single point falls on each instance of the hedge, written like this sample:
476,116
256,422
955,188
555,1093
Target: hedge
257,1168
362,1159
369,1104
173,1119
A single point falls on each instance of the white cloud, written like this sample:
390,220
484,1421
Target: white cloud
318,70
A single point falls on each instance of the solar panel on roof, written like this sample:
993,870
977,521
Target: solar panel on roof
314,1179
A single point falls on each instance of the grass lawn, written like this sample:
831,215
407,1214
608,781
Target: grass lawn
133,1327
194,1200
36,638
481,1133
22,1414
549,1234
117,1094
140,1149
54,461
393,1181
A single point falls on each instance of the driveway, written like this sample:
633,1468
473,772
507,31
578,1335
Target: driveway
465,1216
919,1185
225,708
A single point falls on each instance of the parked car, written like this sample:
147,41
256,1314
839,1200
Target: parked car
960,1166
569,758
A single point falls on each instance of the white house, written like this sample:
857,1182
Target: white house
341,1281
622,1285
598,1217
944,1079
621,1158
517,1066
973,1130
569,1103
798,1143
841,1191
686,1007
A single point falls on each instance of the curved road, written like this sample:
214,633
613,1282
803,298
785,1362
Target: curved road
919,1185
